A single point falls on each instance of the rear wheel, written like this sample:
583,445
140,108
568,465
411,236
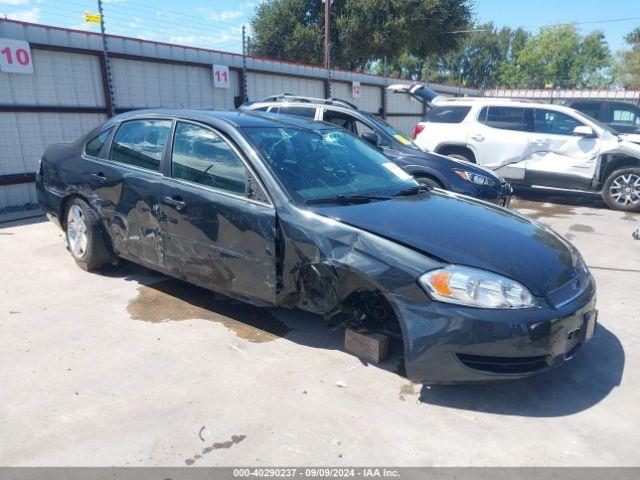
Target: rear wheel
84,238
622,190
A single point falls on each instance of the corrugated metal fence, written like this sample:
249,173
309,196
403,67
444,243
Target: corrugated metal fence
68,93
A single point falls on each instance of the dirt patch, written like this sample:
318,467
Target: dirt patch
581,228
408,389
173,300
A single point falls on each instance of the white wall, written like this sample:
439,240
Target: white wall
139,84
260,85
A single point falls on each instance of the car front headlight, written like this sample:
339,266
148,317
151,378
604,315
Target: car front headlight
475,288
474,177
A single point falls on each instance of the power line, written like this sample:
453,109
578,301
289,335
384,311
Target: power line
527,27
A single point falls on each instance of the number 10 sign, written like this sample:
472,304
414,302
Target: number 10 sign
221,76
15,56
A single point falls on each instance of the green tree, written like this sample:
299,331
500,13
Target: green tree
483,54
560,57
627,70
362,31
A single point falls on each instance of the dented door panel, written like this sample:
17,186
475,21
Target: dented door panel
221,241
133,225
561,161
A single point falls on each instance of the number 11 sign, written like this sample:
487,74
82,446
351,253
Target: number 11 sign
221,76
15,56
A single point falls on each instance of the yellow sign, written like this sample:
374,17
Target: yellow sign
548,85
91,17
402,139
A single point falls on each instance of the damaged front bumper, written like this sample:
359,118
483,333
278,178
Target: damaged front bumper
451,344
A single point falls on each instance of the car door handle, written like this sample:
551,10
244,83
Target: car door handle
100,176
478,137
540,142
176,202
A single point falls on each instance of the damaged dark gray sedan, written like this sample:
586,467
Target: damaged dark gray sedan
293,213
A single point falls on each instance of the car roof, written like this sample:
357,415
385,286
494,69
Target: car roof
501,102
234,118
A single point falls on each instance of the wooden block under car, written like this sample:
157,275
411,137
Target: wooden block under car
373,347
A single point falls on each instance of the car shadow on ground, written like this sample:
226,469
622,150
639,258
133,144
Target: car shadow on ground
581,383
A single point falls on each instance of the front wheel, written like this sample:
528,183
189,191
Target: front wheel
622,190
428,181
84,238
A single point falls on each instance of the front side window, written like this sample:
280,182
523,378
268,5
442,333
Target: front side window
447,114
353,125
202,156
552,122
141,143
307,112
94,145
318,164
505,118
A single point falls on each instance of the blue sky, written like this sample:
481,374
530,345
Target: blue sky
217,24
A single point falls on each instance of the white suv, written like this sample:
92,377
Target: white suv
532,144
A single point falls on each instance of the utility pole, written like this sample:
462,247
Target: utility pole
245,97
105,55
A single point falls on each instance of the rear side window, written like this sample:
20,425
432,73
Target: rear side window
624,116
202,156
308,112
446,114
505,118
140,143
94,145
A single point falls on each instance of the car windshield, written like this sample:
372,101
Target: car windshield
327,164
391,131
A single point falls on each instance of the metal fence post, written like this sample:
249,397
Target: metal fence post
110,101
245,94
384,90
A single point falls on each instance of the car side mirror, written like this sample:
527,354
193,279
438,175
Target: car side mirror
584,131
371,137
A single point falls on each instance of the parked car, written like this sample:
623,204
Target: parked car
427,168
621,116
299,213
532,144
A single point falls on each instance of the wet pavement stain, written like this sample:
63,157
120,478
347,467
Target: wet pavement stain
216,446
175,300
541,210
581,228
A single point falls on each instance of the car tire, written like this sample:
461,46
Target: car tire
85,241
614,192
465,157
428,181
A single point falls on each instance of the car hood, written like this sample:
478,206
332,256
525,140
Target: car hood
459,230
443,161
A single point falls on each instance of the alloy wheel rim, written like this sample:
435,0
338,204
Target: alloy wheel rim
625,189
77,231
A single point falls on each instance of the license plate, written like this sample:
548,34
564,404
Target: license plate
589,325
